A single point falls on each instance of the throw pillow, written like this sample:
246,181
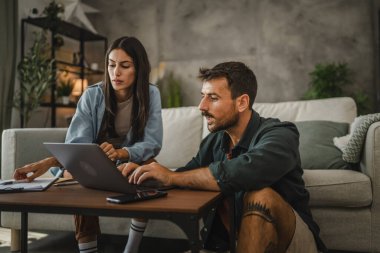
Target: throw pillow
352,144
317,149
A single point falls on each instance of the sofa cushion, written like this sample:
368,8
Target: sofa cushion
344,110
338,188
182,136
317,149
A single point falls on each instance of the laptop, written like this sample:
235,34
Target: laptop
91,167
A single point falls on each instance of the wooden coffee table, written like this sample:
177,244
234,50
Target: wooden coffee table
183,207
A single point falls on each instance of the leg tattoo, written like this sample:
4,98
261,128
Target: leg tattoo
259,210
259,234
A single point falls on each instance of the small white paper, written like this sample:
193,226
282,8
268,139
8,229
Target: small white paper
38,184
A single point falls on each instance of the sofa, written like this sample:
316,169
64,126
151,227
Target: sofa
344,202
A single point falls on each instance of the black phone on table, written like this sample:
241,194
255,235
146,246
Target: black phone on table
138,196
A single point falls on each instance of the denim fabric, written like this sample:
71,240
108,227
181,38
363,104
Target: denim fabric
87,120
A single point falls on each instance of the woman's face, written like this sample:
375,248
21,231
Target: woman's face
121,71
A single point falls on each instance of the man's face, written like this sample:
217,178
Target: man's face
218,106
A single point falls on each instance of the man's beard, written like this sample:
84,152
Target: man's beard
225,125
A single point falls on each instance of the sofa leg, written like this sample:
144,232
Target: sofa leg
15,240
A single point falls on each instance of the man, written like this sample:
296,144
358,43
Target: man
254,159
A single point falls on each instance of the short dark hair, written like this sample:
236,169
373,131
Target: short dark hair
241,79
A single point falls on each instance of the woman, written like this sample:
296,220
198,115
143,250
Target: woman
123,115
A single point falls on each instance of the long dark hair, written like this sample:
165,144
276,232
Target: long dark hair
140,91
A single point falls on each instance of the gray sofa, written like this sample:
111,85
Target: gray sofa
345,203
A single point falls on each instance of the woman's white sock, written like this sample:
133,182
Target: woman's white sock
88,247
136,232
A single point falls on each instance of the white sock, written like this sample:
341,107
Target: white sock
88,247
135,235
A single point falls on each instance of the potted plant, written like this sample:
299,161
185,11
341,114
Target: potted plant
329,79
170,90
64,90
35,72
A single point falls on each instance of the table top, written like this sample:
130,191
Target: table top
78,199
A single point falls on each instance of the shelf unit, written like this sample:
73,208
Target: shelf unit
80,69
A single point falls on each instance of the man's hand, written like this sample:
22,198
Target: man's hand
151,171
127,168
200,178
112,153
35,169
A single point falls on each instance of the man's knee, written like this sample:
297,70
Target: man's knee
266,202
260,203
270,208
265,195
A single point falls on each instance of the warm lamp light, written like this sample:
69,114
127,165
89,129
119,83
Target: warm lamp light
79,86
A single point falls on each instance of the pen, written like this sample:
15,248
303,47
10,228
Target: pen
65,183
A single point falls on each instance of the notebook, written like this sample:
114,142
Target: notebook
38,184
91,167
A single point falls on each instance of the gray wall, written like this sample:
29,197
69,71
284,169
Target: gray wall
280,40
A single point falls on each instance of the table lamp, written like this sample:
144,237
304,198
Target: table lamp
79,86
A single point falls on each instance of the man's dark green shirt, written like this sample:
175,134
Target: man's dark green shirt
266,156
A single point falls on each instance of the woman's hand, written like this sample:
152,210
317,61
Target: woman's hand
30,171
114,154
67,174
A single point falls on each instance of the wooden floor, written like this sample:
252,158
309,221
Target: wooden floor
62,242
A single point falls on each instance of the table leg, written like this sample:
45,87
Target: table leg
24,232
195,242
189,225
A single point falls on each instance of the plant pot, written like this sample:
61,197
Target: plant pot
65,100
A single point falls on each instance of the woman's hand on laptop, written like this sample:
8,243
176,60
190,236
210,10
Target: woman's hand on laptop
114,154
30,171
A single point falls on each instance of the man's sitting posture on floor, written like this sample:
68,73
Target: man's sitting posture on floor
253,159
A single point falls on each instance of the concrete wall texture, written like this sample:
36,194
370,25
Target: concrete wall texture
280,40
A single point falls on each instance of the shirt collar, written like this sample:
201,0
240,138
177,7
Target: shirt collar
249,132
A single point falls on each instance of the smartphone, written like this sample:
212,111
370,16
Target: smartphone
138,196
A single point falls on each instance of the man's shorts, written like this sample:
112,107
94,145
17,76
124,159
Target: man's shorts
303,239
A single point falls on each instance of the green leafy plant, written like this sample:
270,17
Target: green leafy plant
65,88
170,89
329,79
362,102
35,72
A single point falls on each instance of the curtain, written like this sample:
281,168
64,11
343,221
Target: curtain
8,54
